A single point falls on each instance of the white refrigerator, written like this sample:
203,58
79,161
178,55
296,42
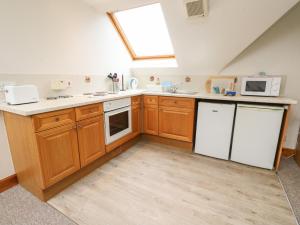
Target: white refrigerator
256,133
214,129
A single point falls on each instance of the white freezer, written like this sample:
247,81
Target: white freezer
256,135
214,129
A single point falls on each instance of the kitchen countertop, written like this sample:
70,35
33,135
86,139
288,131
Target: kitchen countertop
52,105
238,98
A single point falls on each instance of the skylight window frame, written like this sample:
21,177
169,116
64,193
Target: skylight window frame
127,44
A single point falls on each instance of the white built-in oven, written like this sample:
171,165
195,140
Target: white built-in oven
117,119
261,86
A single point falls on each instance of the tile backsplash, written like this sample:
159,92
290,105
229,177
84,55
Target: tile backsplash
101,83
78,83
196,83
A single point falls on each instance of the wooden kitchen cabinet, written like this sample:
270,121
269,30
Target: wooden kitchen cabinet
181,103
59,155
88,111
297,157
151,120
176,123
136,115
49,149
169,117
150,114
150,100
136,100
91,139
176,118
54,119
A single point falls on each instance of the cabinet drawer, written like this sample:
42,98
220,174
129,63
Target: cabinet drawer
88,111
135,100
50,120
177,102
150,100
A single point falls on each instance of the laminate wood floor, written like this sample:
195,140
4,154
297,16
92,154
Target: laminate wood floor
153,184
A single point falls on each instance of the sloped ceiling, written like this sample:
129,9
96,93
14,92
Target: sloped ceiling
207,45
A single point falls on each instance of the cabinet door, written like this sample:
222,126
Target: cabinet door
151,120
176,123
91,139
136,119
59,153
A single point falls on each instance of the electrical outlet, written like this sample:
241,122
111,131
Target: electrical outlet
5,83
60,84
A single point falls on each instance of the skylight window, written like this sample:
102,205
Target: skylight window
144,32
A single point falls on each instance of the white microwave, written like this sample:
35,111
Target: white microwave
261,86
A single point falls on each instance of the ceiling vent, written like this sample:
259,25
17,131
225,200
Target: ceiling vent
196,8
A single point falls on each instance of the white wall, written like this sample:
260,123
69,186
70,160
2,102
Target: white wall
78,84
64,37
277,52
42,40
205,45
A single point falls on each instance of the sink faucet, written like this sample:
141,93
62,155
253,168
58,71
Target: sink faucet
173,89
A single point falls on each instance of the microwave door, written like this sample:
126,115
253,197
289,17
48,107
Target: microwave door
256,87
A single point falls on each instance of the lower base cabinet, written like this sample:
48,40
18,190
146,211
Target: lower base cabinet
176,123
136,119
91,139
150,120
49,147
59,155
297,156
169,117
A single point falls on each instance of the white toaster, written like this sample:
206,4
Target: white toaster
16,95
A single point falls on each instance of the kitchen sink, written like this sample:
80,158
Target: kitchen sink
95,94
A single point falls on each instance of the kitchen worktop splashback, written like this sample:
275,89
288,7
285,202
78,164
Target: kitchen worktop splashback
78,83
195,83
